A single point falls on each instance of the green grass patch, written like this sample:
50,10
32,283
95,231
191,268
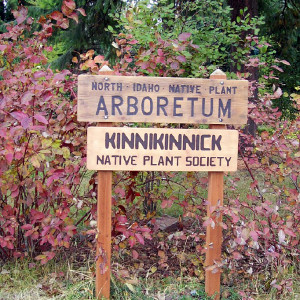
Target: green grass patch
63,279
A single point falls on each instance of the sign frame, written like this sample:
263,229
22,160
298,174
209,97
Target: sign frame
104,98
215,183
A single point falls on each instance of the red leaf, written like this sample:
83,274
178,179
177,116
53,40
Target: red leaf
26,227
254,184
289,232
9,157
66,11
135,255
120,228
70,4
39,74
70,227
254,235
120,191
133,42
82,11
15,193
26,98
6,74
237,255
64,24
278,93
20,14
66,191
144,65
10,245
175,65
35,59
58,77
132,241
28,233
184,36
160,52
74,17
3,47
3,243
44,261
47,96
166,203
122,219
40,257
70,126
144,229
99,59
35,235
22,118
160,59
41,119
285,62
277,68
140,238
181,58
56,15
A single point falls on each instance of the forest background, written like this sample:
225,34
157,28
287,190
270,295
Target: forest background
48,198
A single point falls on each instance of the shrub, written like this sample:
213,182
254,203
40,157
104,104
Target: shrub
42,145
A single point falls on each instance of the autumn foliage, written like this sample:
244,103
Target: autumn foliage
43,156
42,145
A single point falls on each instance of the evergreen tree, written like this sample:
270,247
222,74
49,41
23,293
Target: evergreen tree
88,33
282,23
282,20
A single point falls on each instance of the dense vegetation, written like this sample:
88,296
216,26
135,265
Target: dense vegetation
47,198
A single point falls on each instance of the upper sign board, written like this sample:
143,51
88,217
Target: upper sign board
103,98
161,149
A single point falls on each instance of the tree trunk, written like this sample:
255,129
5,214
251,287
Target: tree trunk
2,14
236,5
252,6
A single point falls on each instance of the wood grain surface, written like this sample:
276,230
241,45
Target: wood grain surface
161,149
104,98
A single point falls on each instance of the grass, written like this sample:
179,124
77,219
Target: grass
58,280
66,280
55,280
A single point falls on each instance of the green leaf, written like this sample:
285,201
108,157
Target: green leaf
56,144
109,27
130,287
264,49
46,143
66,152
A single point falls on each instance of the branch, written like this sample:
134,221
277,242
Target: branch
295,183
251,174
84,216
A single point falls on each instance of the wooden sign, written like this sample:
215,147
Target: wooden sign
103,98
160,149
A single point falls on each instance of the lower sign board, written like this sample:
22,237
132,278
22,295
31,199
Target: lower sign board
161,149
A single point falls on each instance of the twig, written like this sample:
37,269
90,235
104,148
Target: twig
251,174
84,216
295,183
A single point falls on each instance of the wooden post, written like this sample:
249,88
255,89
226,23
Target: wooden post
214,236
103,250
